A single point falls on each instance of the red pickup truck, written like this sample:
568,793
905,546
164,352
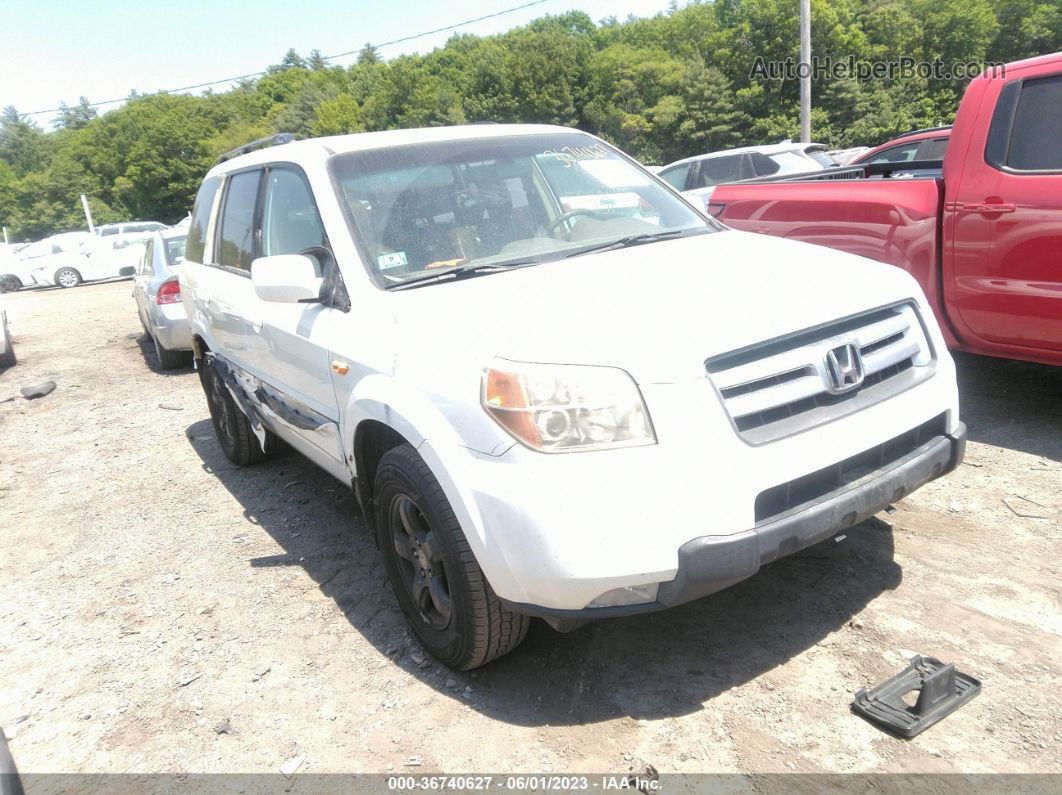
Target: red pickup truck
984,239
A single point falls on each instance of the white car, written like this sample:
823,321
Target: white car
15,272
570,414
696,177
7,349
158,298
68,259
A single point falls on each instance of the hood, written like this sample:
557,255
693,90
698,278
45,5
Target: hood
657,310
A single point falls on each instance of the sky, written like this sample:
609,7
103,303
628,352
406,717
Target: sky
56,51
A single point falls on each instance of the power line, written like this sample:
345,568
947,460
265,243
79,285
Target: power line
324,58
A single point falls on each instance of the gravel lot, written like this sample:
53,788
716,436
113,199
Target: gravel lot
161,611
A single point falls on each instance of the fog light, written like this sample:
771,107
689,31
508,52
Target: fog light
631,595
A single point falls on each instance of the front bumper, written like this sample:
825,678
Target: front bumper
711,563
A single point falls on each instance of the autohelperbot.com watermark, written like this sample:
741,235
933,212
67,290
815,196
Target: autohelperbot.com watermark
904,68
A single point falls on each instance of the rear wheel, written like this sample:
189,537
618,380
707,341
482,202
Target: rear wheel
9,283
231,425
442,591
67,277
169,360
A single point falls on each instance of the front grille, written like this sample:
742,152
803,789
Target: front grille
783,386
777,501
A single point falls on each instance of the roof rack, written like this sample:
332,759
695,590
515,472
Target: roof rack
261,143
924,130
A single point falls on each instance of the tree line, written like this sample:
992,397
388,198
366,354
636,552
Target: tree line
661,88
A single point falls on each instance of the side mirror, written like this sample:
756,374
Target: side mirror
286,279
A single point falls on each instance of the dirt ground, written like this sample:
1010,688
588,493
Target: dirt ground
161,611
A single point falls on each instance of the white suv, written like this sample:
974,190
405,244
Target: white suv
571,414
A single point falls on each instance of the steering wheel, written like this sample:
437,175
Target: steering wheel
568,216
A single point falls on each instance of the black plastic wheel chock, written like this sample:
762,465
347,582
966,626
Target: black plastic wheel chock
941,691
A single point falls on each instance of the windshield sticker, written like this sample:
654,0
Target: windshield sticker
570,155
395,259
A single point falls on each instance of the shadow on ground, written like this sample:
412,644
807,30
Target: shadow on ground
147,349
1017,405
654,666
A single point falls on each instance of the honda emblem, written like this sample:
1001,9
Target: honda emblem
844,366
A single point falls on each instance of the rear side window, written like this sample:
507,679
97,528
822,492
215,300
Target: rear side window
236,240
290,221
1036,134
204,203
111,230
763,165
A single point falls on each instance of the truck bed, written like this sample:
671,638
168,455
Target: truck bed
896,221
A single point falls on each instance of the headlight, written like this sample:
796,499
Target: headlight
567,408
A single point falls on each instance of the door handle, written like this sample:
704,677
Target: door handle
988,208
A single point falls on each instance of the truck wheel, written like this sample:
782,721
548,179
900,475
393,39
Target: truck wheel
67,277
442,591
231,425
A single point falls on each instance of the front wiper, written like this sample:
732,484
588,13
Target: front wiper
634,240
461,272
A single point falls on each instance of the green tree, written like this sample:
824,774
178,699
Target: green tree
23,145
76,117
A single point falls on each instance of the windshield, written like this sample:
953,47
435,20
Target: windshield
175,250
516,199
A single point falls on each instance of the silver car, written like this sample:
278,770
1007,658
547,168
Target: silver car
158,298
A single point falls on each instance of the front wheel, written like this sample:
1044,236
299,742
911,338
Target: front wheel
67,277
231,425
441,589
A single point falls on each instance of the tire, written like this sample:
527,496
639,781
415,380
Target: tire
169,360
8,358
231,425
441,589
10,284
67,277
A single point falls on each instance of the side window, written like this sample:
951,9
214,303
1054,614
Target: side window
290,221
204,203
111,230
717,170
676,177
236,238
763,165
934,150
1036,133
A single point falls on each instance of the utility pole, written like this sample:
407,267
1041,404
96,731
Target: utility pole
88,213
5,235
805,71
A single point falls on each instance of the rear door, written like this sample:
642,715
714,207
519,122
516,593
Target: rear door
1003,261
233,310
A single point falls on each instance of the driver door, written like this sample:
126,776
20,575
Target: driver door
291,353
